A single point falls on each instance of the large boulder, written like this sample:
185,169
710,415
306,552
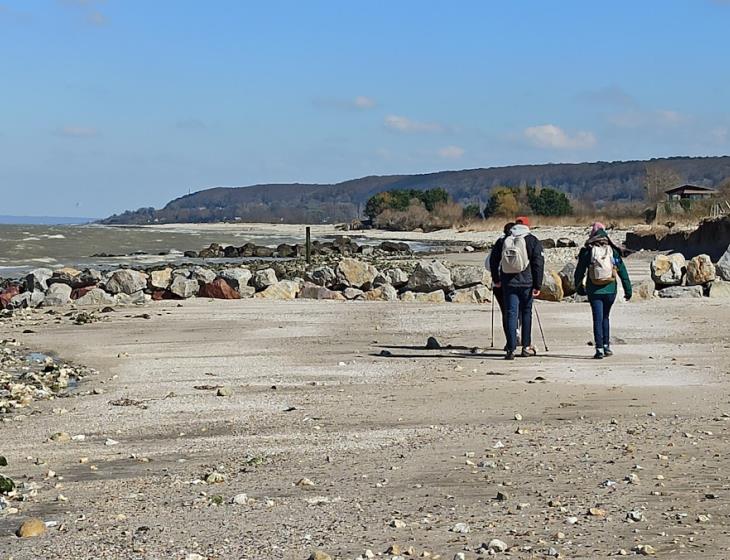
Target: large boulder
184,287
429,276
395,247
396,277
27,299
668,270
96,297
126,281
720,290
353,293
386,292
723,266
66,275
322,276
437,296
137,298
160,279
238,277
552,287
681,292
700,271
644,290
57,294
262,279
314,291
38,279
202,274
284,289
466,276
565,242
356,273
219,288
7,295
474,294
567,278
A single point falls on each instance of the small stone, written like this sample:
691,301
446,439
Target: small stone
497,545
459,556
398,524
319,555
502,496
393,549
110,442
597,512
703,518
304,482
635,516
32,527
240,499
518,417
215,478
224,392
461,528
571,520
645,549
61,437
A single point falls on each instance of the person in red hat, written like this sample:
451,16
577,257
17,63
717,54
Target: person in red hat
519,266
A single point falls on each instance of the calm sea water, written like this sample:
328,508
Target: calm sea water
25,247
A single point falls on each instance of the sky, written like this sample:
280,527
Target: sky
108,105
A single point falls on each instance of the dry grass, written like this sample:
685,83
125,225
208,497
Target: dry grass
497,224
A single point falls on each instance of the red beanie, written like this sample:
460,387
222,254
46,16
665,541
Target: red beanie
524,220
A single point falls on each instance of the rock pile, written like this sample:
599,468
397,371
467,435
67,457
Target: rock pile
345,279
676,277
26,378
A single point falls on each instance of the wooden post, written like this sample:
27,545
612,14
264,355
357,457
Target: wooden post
308,245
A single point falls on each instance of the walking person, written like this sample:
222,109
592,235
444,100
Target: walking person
521,269
492,264
599,265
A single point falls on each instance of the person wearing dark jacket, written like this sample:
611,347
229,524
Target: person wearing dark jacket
520,288
601,294
492,265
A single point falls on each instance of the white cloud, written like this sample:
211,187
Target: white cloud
553,137
77,131
363,102
404,124
451,152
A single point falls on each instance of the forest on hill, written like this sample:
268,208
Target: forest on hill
591,184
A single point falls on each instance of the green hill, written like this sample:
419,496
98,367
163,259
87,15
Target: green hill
597,182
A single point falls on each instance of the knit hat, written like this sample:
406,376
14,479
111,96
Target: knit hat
595,227
524,220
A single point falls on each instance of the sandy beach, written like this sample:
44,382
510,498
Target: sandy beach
345,434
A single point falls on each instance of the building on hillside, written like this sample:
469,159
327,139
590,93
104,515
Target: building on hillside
690,192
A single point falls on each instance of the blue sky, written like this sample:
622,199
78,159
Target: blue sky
115,104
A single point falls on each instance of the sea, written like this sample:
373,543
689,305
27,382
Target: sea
25,247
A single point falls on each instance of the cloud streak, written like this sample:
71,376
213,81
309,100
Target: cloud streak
358,103
399,123
72,131
550,136
451,152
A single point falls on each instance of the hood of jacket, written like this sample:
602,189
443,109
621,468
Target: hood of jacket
520,230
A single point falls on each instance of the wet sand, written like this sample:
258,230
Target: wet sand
424,437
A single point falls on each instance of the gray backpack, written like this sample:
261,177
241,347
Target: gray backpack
514,255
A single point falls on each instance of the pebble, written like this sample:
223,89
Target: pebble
497,545
398,524
110,442
645,549
215,478
518,417
32,527
224,392
304,482
240,499
461,528
319,555
61,437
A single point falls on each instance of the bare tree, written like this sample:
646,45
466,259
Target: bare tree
659,178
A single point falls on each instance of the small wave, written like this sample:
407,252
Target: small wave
31,239
45,260
55,236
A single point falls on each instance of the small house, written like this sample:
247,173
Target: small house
690,192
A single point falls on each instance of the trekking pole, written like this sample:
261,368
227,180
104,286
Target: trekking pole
493,296
539,324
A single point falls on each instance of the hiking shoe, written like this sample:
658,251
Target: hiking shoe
510,356
607,351
598,355
528,352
